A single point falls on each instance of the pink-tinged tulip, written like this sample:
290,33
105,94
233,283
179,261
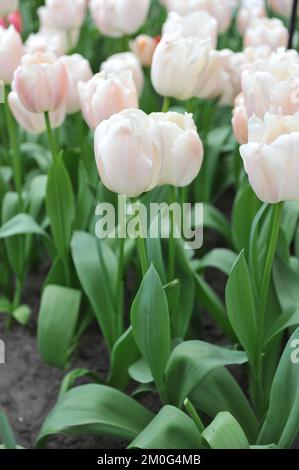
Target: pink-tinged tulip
47,26
221,11
116,18
105,95
186,59
67,14
11,52
270,31
41,82
47,41
240,121
271,157
249,11
182,149
8,6
79,70
144,47
127,151
271,85
13,19
122,62
188,26
282,7
33,122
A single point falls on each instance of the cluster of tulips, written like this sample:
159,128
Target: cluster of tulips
159,101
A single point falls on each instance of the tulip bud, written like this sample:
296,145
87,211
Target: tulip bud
240,121
105,95
182,149
47,41
11,52
79,70
182,58
271,157
270,31
116,18
8,6
122,62
221,11
188,25
41,82
144,47
67,15
127,151
33,122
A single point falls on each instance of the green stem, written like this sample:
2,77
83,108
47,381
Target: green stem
171,244
119,283
264,291
166,105
193,415
15,303
51,139
16,155
142,255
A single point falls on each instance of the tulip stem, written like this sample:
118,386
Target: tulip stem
166,105
194,415
51,139
141,247
275,226
16,156
119,281
171,244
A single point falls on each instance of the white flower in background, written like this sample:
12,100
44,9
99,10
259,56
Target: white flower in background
266,31
198,24
117,18
250,10
122,62
67,14
11,52
144,46
282,7
46,41
48,26
240,120
182,149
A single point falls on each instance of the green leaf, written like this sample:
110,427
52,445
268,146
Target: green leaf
95,409
124,353
281,425
155,257
140,372
151,325
287,284
71,377
192,361
245,208
57,321
240,306
284,321
215,220
219,391
170,429
97,277
219,258
22,314
6,432
21,224
60,206
225,433
5,305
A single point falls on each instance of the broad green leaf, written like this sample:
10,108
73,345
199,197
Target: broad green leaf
170,429
225,433
284,321
71,377
98,278
57,321
151,325
5,305
95,409
140,372
245,208
219,258
21,224
6,432
286,281
240,306
155,256
281,425
60,206
22,314
192,361
37,195
219,391
124,353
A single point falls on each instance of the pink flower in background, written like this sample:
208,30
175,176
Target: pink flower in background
8,6
11,53
266,31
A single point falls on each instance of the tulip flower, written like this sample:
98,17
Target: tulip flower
79,70
116,18
271,157
189,26
282,7
240,121
33,122
8,6
249,11
125,61
13,19
41,82
11,52
105,95
127,151
270,31
144,47
221,11
185,59
182,149
47,41
67,15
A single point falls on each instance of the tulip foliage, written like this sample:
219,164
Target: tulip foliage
121,105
